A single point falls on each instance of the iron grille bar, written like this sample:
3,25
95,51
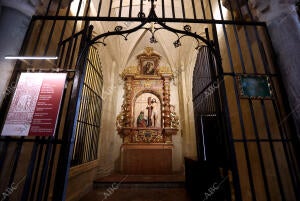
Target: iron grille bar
52,29
203,10
287,150
250,49
30,171
210,9
15,163
226,41
237,40
246,149
99,8
141,6
48,7
44,171
163,8
194,9
261,160
136,19
130,8
91,89
74,36
183,10
110,7
247,36
94,67
53,152
173,8
38,37
120,8
87,10
275,162
88,124
63,31
68,53
3,153
73,55
36,170
282,129
61,55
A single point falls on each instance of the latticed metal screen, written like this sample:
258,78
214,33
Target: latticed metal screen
88,123
261,143
204,86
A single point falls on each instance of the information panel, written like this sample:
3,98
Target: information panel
35,105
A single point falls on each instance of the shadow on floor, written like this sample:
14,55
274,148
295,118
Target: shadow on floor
137,194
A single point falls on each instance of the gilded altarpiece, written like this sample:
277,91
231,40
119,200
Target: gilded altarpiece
147,121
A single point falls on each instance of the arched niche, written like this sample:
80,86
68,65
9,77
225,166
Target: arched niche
149,104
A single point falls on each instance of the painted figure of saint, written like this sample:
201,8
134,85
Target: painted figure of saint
148,68
141,121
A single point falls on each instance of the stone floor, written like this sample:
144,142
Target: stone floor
137,194
118,187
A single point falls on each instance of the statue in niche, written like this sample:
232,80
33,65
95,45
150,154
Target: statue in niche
141,121
152,113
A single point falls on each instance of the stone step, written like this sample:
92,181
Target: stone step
140,181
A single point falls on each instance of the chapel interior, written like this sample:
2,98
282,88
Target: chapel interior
162,100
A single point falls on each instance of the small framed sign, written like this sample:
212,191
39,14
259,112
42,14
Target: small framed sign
254,87
35,105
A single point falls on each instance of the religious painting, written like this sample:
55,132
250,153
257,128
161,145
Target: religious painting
147,111
256,87
148,67
148,62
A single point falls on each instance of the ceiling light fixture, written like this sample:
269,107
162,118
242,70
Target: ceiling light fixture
31,57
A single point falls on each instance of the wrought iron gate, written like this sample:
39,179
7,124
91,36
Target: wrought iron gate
37,168
255,134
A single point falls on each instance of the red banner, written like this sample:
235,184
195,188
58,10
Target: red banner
35,106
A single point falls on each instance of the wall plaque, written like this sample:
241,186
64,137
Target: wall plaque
256,87
35,105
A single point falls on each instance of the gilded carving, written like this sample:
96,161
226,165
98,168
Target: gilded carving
145,115
165,70
174,117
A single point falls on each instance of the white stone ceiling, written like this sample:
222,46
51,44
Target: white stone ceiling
124,52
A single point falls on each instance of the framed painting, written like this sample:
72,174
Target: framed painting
148,62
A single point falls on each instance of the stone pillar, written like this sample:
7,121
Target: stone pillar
14,20
15,16
284,27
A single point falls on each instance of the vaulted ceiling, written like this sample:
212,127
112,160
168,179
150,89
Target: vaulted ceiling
123,52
